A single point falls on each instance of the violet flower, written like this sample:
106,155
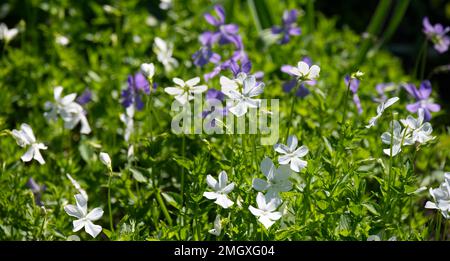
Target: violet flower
437,35
423,100
85,97
381,89
204,56
354,85
136,84
302,91
37,190
225,33
289,28
214,95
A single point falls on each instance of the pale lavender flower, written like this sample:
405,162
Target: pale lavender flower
302,91
204,56
381,89
136,84
437,35
289,28
225,33
423,100
37,190
85,97
354,85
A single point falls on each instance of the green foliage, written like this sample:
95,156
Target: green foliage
346,193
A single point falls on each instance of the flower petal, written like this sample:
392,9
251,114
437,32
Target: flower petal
95,214
92,229
73,211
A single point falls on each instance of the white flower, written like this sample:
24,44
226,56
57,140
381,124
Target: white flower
266,211
164,52
234,85
84,219
277,179
304,73
420,131
165,4
62,40
25,137
292,154
380,109
185,91
217,227
7,34
357,75
221,189
77,186
399,138
105,159
243,100
71,112
441,197
148,69
127,118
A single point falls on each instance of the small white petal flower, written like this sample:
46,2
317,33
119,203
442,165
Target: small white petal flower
163,51
221,189
105,159
184,91
84,219
25,137
400,137
127,118
304,72
266,210
242,100
292,154
77,186
277,179
7,34
71,112
441,197
217,227
420,131
62,40
148,69
165,4
380,109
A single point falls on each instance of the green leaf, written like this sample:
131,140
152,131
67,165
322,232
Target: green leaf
371,209
137,175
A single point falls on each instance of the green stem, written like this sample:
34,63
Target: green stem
291,113
109,203
163,207
310,15
183,153
344,115
438,227
419,57
424,61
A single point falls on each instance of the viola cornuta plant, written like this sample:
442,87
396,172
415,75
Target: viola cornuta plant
197,120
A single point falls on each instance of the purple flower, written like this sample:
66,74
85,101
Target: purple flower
204,56
423,100
302,91
37,190
437,35
85,97
354,85
225,33
214,94
289,28
136,85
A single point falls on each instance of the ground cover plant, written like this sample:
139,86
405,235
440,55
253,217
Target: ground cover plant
115,124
